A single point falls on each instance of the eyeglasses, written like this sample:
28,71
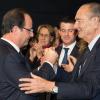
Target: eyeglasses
30,30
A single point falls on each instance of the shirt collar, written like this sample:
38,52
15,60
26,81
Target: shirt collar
92,43
71,46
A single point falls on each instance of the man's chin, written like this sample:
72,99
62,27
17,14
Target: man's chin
79,35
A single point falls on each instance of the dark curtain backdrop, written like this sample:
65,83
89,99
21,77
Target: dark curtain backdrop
44,11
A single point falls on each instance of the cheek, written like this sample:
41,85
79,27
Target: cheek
26,35
85,26
62,36
48,39
70,39
46,42
41,39
73,37
87,29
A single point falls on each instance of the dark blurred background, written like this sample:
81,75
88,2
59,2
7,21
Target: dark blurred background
44,11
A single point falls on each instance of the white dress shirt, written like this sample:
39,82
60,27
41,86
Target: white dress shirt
63,52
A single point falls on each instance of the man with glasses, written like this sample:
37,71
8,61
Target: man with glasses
85,83
30,30
16,31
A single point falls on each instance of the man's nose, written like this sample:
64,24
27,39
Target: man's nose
32,34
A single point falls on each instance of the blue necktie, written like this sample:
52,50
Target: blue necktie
64,61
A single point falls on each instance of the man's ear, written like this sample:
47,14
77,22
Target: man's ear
15,29
96,20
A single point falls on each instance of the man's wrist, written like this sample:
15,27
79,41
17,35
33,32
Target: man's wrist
54,88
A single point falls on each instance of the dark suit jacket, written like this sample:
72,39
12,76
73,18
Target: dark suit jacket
62,75
86,86
12,67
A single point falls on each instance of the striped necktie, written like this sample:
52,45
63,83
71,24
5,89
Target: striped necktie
65,61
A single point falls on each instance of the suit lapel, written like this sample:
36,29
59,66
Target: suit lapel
12,49
90,57
75,52
25,60
58,49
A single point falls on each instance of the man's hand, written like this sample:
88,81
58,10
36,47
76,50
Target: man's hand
32,52
50,55
70,66
35,84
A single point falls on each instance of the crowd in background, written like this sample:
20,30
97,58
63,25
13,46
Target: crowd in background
54,63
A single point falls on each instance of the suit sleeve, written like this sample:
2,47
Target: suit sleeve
46,71
87,85
15,67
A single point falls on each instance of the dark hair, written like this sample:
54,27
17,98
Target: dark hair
12,18
66,19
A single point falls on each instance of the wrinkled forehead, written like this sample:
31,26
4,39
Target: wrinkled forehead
83,11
